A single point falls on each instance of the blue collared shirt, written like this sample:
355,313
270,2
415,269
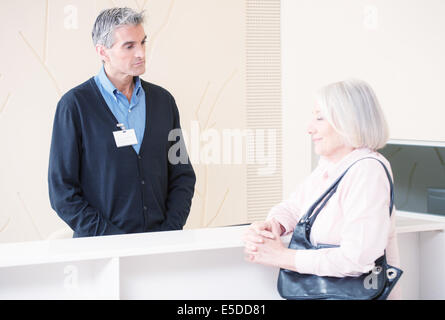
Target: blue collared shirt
131,114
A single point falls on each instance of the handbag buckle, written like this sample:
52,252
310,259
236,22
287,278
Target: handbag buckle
377,270
391,273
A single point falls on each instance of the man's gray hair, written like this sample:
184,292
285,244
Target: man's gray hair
109,19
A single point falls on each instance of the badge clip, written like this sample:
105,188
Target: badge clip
121,126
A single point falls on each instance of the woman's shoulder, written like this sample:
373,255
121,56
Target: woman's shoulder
373,162
366,167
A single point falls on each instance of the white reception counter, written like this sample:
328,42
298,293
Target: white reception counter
190,264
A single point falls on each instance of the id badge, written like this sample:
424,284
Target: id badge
125,138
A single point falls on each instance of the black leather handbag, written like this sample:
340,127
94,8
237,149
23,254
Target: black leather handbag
374,285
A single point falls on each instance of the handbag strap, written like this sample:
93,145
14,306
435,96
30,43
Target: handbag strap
309,218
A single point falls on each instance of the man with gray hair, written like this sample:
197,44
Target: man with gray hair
109,171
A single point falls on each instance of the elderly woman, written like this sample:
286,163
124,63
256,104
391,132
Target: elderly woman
348,125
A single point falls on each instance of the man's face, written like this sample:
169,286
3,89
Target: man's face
127,55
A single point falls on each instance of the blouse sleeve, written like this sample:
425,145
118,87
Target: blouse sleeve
289,211
364,195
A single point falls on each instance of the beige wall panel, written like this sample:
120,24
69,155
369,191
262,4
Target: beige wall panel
196,49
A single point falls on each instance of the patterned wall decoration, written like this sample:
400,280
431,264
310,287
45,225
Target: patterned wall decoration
220,60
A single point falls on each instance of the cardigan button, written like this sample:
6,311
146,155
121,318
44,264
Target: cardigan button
145,208
143,181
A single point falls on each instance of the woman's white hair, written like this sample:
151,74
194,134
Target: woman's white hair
352,108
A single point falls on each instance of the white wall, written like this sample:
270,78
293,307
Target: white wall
296,141
397,46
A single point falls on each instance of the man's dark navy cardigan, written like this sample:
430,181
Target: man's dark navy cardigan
99,189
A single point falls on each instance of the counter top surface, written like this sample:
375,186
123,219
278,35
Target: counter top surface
47,251
62,250
418,222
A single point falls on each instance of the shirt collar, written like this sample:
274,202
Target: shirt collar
110,88
137,85
331,170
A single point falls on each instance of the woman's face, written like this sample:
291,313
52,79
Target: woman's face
327,142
